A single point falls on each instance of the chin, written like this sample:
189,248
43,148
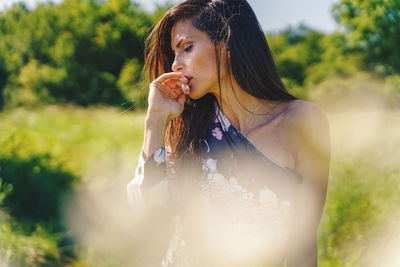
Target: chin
197,94
194,94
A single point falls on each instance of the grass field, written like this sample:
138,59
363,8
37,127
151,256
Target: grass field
100,146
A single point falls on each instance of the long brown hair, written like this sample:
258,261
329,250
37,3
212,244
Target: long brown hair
231,25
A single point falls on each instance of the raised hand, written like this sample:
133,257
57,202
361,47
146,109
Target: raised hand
168,94
166,101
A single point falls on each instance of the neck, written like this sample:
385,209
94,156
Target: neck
243,110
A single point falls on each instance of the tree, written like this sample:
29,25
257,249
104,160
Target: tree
71,52
372,29
295,51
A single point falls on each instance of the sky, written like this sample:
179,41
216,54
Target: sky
274,15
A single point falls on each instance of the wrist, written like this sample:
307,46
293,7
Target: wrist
154,132
156,120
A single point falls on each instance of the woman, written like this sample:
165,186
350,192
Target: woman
241,163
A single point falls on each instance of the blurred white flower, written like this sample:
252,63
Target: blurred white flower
220,182
211,164
251,196
236,187
268,198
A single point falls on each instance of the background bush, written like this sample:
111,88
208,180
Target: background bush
39,189
72,52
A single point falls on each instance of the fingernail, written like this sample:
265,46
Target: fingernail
183,79
187,87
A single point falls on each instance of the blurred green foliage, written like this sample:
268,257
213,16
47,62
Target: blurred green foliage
367,40
306,57
72,52
97,143
362,198
91,52
32,232
42,154
39,189
372,30
37,249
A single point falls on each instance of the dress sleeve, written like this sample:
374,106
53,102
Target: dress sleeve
149,186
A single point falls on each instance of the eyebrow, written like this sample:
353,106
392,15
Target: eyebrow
181,40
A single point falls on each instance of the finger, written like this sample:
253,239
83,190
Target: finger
185,88
174,84
175,87
168,91
169,75
174,81
171,84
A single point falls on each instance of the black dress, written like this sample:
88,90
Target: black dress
236,211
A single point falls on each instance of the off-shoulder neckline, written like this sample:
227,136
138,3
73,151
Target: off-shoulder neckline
225,123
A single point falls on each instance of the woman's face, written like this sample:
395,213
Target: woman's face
195,58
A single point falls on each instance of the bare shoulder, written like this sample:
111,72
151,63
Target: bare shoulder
301,115
308,128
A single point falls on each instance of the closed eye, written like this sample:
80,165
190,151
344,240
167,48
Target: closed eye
187,48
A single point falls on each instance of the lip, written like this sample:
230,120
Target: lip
189,78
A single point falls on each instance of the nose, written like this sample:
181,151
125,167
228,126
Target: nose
177,65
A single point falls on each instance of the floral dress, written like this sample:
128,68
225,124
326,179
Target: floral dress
239,207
